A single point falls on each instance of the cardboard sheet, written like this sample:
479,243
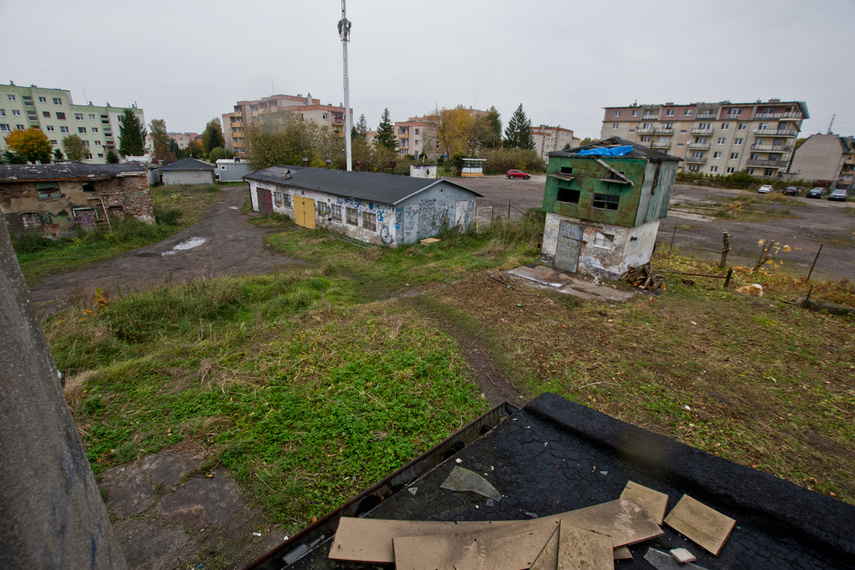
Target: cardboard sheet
654,502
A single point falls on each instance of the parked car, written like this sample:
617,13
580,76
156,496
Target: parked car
839,194
765,189
518,174
791,191
817,192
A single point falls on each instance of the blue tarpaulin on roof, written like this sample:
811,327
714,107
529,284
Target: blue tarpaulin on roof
614,151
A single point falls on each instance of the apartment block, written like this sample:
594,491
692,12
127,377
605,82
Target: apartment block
715,138
417,136
329,117
549,139
54,113
826,159
183,139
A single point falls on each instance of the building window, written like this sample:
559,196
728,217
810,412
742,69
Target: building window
277,199
735,112
19,127
705,126
606,201
730,170
737,141
615,125
617,113
63,129
751,171
369,221
81,130
720,140
683,131
606,241
100,155
57,101
46,114
635,112
94,129
11,97
91,116
646,139
97,143
60,116
31,220
2,113
352,217
769,172
416,130
48,192
716,155
568,195
4,127
50,128
687,112
78,116
669,112
694,168
42,99
16,113
85,143
323,209
742,126
734,155
336,212
713,169
53,142
88,187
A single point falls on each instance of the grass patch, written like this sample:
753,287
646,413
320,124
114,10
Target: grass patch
175,207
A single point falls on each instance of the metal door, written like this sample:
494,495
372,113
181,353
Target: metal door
265,201
569,245
304,212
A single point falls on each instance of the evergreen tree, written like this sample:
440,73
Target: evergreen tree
518,132
386,133
75,149
131,134
57,155
494,121
112,158
212,137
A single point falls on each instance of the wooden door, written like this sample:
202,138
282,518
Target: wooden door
304,212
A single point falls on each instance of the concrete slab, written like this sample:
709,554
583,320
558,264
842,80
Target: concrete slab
705,526
168,467
146,543
548,557
654,502
544,277
623,520
127,491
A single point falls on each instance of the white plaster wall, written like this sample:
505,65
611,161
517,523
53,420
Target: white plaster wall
189,177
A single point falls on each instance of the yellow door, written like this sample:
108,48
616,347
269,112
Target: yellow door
304,212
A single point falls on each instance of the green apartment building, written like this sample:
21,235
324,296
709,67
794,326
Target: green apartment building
55,114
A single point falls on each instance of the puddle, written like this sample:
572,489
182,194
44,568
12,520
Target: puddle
239,238
233,208
185,245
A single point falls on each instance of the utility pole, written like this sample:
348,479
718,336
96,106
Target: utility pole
344,34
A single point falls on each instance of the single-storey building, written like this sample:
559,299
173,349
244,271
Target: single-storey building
603,203
188,171
375,208
57,199
232,169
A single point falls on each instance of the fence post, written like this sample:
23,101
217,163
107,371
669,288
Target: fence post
672,241
727,279
724,249
814,262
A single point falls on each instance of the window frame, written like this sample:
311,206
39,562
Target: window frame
609,202
351,216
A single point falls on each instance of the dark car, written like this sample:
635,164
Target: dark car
839,194
791,191
518,174
817,192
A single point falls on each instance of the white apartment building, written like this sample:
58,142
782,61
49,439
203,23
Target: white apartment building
417,135
330,117
549,139
715,138
54,113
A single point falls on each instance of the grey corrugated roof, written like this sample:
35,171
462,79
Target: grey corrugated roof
187,164
638,150
369,186
64,171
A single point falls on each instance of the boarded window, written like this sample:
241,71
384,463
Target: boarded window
48,192
31,220
277,199
369,221
336,212
606,241
352,217
568,195
606,201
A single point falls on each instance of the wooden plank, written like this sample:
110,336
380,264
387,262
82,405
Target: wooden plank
654,502
580,549
702,524
616,172
623,520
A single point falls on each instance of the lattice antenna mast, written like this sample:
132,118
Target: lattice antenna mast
828,132
344,34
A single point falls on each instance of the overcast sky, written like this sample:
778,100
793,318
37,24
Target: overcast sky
188,61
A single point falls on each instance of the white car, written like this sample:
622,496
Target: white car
765,189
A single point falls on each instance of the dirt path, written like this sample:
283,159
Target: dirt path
231,246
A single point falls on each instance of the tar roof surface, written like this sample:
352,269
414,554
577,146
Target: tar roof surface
64,171
188,164
369,186
638,151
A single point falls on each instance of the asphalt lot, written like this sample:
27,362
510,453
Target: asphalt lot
809,224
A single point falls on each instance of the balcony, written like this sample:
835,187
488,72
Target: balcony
649,117
707,132
792,116
696,159
776,133
664,131
660,144
772,147
766,163
708,115
236,125
701,146
649,131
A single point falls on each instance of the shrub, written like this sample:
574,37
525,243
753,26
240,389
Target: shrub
168,217
30,242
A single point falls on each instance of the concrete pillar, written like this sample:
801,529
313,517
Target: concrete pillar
51,513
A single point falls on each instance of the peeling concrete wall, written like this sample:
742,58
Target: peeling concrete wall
606,251
188,177
58,208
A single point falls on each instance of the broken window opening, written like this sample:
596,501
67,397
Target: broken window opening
352,217
568,195
323,209
88,187
369,221
606,202
31,220
566,170
336,212
604,240
48,192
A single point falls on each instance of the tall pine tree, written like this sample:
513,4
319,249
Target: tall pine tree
131,134
518,132
386,133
